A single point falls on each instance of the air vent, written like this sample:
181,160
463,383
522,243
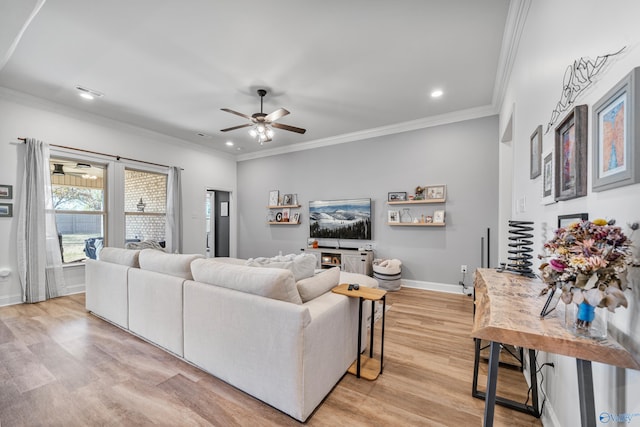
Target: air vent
87,93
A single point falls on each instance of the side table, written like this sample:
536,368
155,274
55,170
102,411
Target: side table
366,367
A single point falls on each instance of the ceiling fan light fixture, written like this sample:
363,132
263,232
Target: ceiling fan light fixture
253,132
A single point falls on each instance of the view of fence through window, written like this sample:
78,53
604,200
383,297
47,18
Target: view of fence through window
78,199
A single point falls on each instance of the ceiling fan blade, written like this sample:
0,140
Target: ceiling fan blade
289,128
281,112
236,113
236,127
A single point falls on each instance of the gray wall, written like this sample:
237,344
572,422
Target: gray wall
463,155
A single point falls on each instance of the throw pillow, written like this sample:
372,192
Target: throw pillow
275,283
313,287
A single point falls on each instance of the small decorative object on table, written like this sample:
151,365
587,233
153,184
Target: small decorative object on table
419,193
588,260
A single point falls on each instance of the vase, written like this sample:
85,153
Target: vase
585,320
405,216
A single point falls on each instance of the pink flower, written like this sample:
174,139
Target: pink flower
557,265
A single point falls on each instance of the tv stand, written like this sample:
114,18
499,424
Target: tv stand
349,260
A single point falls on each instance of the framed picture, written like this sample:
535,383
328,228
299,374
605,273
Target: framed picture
547,177
397,196
6,192
6,210
294,199
285,214
393,217
296,218
564,220
616,156
571,155
435,192
287,199
274,195
224,208
279,217
438,217
536,153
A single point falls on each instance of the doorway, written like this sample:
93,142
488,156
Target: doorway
217,206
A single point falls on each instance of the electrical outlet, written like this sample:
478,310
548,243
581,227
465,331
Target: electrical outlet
463,268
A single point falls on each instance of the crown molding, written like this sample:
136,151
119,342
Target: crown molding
50,106
513,28
442,119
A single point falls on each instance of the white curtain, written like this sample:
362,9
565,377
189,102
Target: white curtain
39,258
173,233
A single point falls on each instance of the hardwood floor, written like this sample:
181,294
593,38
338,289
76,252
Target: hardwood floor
60,365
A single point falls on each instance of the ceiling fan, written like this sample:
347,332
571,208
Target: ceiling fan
262,123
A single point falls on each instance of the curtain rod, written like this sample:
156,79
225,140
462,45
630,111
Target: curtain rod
102,154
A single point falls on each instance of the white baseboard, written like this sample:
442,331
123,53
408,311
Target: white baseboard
10,300
74,289
433,286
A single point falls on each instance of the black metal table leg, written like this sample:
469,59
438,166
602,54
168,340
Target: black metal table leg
492,379
585,393
373,315
384,310
359,336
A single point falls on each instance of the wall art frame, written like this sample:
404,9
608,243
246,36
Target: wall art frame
435,192
396,196
547,177
274,196
571,155
6,210
6,191
615,155
565,220
535,153
393,217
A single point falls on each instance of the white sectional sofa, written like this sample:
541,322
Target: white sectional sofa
284,341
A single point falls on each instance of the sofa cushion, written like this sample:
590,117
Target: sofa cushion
272,283
321,283
302,265
178,265
127,257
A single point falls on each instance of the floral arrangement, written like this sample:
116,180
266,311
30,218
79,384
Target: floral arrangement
588,259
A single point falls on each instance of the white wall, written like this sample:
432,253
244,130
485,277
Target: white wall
555,34
463,156
23,116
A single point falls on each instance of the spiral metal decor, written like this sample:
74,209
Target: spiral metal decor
520,248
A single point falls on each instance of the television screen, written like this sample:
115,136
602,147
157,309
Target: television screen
340,219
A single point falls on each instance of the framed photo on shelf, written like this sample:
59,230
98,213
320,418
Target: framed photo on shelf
535,153
393,217
285,214
564,220
287,199
274,195
279,217
6,210
616,154
6,192
435,192
547,178
397,196
438,217
296,218
294,199
571,155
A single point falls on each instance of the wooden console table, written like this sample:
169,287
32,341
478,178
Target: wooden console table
369,368
508,312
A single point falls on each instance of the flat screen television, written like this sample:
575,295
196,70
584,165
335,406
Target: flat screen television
340,219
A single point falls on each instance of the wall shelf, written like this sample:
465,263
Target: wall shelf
417,202
283,223
283,206
420,224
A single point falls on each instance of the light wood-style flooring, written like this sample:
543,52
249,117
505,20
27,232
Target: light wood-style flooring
61,366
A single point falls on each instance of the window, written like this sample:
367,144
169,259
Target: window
145,205
79,202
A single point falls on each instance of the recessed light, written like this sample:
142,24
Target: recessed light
229,143
87,93
436,93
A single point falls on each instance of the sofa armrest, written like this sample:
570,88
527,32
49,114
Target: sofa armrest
106,291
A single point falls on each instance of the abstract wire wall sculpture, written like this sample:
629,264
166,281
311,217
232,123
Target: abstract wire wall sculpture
577,78
520,248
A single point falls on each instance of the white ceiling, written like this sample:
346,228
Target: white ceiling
342,68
